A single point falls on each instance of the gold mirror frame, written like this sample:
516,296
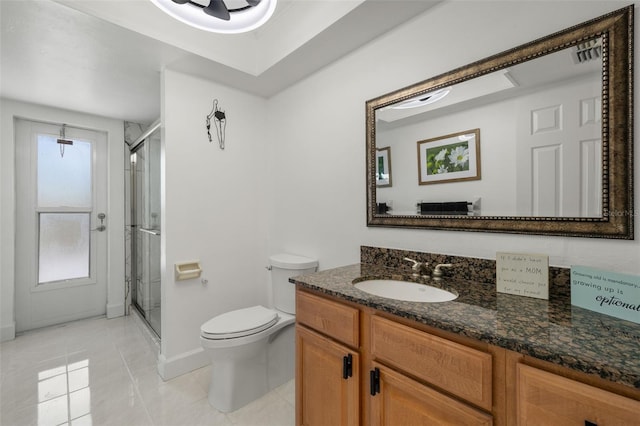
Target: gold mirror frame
617,220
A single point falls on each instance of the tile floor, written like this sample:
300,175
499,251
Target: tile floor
103,372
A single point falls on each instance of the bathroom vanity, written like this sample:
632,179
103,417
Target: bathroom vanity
485,358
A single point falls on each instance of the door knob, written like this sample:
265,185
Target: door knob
102,227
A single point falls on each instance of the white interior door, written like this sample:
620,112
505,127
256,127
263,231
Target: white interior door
559,152
61,246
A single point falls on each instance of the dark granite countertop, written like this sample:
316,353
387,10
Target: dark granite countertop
552,330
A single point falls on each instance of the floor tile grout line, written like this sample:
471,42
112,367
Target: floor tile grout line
135,386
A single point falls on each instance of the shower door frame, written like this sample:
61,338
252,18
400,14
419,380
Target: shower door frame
136,227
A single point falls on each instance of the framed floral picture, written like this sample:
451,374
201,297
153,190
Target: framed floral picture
450,158
383,167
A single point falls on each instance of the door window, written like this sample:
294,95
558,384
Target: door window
64,173
64,188
64,246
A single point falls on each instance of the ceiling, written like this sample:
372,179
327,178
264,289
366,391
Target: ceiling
104,57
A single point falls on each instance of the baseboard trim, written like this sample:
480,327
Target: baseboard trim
169,368
8,332
115,310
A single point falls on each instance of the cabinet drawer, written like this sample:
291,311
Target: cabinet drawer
548,399
330,318
463,371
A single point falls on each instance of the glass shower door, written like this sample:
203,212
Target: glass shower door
145,204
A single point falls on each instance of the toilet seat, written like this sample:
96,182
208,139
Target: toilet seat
239,323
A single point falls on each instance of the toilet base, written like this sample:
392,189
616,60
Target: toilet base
281,357
235,383
238,378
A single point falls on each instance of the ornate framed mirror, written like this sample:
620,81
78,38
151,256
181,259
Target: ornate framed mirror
556,118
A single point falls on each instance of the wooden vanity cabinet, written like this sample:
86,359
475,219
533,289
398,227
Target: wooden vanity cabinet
419,378
327,362
406,373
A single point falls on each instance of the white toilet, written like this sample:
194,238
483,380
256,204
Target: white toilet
253,349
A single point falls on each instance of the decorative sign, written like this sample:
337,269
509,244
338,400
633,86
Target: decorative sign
609,293
523,274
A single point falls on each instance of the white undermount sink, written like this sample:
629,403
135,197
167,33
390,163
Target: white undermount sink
405,290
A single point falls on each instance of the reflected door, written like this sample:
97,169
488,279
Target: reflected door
559,152
145,250
61,200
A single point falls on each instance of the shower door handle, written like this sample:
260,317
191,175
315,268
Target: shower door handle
150,231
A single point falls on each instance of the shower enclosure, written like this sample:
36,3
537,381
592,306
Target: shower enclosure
145,226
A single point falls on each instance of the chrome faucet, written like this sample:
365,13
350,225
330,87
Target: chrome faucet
420,268
437,272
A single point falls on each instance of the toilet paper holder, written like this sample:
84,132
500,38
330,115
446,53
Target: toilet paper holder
188,270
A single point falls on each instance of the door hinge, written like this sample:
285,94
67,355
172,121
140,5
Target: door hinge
374,377
347,366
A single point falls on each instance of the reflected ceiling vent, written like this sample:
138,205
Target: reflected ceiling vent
588,51
220,16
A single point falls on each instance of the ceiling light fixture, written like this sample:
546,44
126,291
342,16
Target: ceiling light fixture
422,100
220,16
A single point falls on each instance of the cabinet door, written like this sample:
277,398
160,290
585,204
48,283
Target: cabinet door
402,401
546,399
327,381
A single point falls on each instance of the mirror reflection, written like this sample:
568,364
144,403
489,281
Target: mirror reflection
541,151
553,126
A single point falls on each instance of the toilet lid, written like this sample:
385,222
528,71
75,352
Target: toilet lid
238,323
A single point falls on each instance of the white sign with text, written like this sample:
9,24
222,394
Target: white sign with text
523,274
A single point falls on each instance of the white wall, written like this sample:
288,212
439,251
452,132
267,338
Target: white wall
214,212
318,130
115,214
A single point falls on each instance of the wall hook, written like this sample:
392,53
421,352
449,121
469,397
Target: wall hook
219,122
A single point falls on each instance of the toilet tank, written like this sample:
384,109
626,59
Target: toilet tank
284,266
